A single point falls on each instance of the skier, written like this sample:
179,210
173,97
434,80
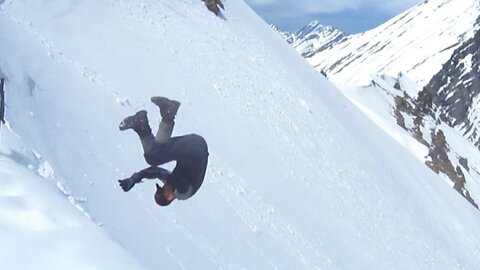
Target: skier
189,151
2,101
213,5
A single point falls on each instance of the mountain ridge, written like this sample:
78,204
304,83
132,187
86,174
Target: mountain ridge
435,44
312,38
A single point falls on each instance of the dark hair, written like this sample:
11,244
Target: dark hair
160,198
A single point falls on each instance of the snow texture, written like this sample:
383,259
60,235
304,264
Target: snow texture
40,229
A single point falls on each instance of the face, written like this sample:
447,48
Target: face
168,192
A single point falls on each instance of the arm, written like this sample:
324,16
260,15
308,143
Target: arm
148,173
154,173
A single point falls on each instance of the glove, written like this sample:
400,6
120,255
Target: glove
128,183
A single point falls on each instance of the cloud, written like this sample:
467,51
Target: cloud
290,8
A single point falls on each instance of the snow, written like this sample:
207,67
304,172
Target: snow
376,102
409,86
314,36
462,149
377,106
298,177
40,229
407,43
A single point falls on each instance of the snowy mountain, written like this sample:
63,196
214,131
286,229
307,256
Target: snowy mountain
312,38
434,47
456,89
297,177
417,42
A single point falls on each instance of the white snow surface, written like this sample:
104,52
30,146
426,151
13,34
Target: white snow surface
377,103
298,177
39,228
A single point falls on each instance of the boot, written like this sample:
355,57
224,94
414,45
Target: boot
138,122
168,108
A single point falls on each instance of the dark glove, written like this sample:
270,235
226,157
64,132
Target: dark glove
128,183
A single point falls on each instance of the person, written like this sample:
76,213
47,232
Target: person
189,151
2,101
213,5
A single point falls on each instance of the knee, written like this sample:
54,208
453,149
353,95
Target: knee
201,144
150,158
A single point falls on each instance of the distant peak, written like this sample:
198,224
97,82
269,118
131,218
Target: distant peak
316,27
274,27
314,23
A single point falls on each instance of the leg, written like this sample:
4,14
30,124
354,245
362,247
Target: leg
148,142
164,133
183,148
139,123
168,110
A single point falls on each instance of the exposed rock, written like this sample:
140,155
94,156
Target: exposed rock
456,87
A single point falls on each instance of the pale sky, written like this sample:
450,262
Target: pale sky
350,16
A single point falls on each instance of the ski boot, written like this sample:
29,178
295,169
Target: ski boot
168,108
138,122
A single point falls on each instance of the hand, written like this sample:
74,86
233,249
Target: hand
127,184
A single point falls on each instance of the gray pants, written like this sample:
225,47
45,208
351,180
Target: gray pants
164,133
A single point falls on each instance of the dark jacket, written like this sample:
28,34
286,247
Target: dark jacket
191,154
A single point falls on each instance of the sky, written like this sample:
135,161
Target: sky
351,16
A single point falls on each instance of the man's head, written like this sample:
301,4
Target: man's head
164,195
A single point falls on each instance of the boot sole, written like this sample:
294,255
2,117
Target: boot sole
123,125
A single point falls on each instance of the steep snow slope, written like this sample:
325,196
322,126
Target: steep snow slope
297,179
415,124
40,229
417,42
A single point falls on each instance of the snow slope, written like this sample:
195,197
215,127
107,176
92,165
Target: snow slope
39,228
387,102
298,178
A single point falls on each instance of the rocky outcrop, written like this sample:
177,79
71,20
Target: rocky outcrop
456,90
427,129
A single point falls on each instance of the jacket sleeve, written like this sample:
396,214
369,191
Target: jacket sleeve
155,173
